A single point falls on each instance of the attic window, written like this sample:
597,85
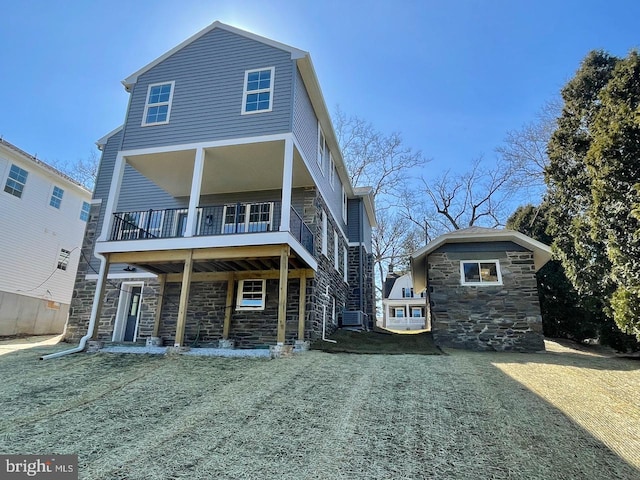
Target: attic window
258,90
480,272
158,106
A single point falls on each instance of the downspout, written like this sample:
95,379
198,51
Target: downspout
102,277
324,319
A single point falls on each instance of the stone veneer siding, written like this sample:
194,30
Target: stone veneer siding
505,317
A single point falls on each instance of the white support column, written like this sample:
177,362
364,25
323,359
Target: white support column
114,194
287,183
194,199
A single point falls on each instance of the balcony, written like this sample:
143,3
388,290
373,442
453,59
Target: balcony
406,323
212,220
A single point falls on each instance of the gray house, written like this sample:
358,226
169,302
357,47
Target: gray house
223,212
481,289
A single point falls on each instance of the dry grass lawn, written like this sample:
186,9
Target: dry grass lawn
563,414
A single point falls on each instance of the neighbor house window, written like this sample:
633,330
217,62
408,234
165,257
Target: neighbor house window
399,312
258,90
15,181
84,213
251,295
56,197
158,106
416,312
63,259
481,272
323,217
407,293
322,145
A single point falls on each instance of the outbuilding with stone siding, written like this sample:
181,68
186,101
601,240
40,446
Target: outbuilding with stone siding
481,289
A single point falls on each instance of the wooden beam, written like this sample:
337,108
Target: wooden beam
282,295
162,279
302,305
242,252
184,300
101,284
228,307
151,256
241,275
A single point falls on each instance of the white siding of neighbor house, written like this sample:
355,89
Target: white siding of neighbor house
33,232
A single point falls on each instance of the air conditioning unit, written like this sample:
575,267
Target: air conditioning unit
353,318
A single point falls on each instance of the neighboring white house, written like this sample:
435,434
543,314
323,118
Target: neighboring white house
43,214
402,309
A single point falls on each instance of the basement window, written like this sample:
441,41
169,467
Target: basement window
251,295
480,272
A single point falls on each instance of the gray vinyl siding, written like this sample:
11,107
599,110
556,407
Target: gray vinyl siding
354,208
477,247
208,93
305,129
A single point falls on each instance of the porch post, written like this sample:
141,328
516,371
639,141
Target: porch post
114,194
282,294
194,198
162,279
228,306
184,299
287,182
98,298
302,304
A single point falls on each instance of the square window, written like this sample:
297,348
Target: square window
16,181
84,213
258,91
399,312
416,312
251,295
158,106
63,259
480,273
56,197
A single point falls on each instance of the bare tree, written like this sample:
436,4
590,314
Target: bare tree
83,171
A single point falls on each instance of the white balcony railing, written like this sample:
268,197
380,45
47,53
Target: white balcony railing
406,323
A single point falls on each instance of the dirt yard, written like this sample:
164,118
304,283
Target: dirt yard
564,414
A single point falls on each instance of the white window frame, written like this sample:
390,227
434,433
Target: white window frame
332,172
84,213
322,145
148,105
247,223
16,181
55,199
411,294
334,317
399,309
336,251
480,283
344,205
246,93
345,264
414,309
324,240
240,296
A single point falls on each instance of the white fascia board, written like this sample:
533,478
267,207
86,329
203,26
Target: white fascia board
102,141
122,276
310,79
133,78
218,143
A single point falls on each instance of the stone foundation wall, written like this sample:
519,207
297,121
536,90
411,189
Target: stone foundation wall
505,317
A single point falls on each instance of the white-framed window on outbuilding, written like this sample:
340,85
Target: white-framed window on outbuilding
258,90
16,181
480,272
56,197
251,295
157,108
63,259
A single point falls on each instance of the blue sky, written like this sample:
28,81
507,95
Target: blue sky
452,76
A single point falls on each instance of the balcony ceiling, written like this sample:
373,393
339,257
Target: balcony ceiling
237,168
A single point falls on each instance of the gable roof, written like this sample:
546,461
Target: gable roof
133,78
541,252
